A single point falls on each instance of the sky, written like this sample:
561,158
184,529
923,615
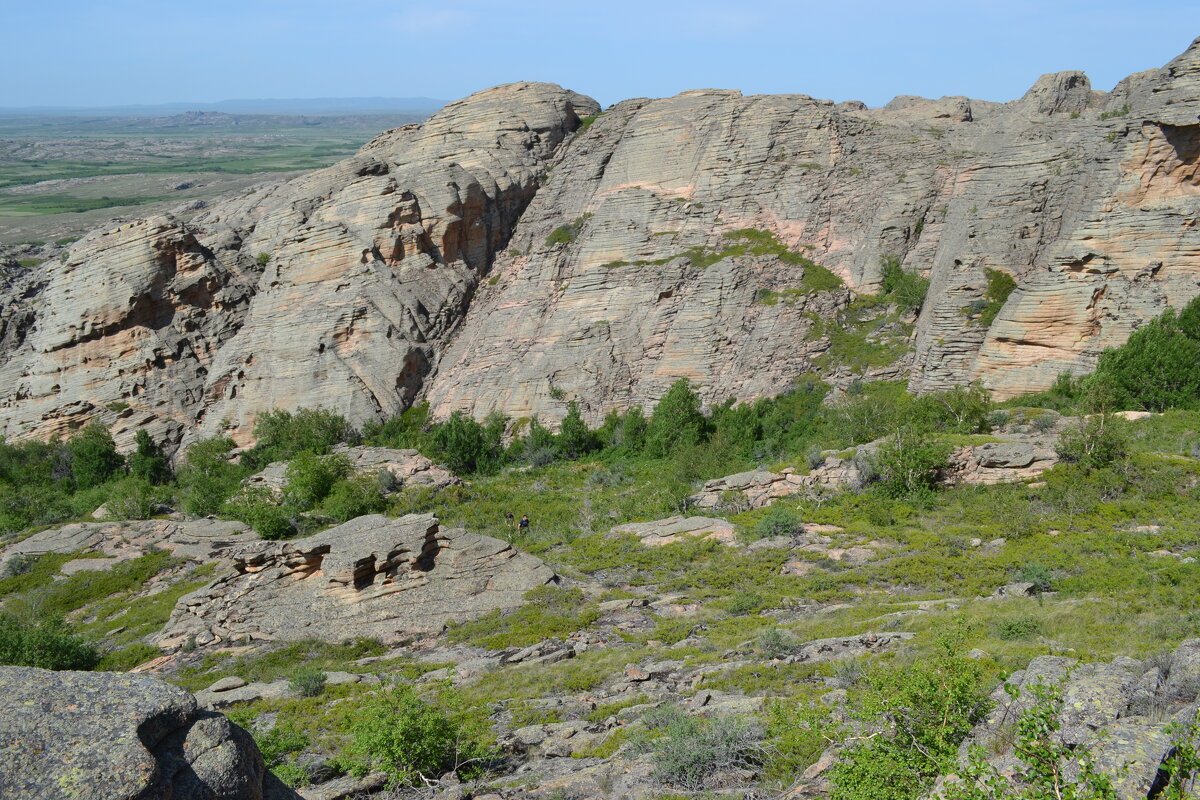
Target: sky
117,52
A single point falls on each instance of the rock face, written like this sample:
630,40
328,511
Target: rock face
677,529
372,576
1120,709
612,273
334,289
201,539
85,735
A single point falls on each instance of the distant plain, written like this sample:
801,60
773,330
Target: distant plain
61,175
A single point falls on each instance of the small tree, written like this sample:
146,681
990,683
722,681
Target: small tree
676,420
574,437
1095,442
46,643
207,477
910,464
147,461
94,457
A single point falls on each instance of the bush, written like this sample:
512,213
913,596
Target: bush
207,477
354,497
282,435
257,508
687,751
1156,368
148,461
574,438
1017,628
308,682
906,289
926,709
133,498
910,464
1000,285
414,741
777,643
1095,442
468,447
310,478
1051,766
94,457
779,521
46,643
676,420
1041,577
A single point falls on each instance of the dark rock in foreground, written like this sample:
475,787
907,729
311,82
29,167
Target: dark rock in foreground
111,736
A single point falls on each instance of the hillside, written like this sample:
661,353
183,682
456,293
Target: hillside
522,248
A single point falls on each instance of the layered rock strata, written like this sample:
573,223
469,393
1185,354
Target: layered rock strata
611,268
372,576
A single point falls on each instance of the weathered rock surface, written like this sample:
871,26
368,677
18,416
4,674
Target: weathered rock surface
198,539
335,289
1016,457
85,735
357,287
372,576
1120,709
677,529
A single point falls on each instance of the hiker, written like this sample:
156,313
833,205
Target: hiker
523,525
508,519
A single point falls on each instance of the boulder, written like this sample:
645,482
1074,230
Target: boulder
372,576
87,735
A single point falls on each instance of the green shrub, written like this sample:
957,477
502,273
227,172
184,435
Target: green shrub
94,457
905,289
1052,768
574,437
1096,442
1156,368
282,435
1018,628
355,497
148,461
310,478
133,498
1038,575
744,602
926,708
308,681
999,286
207,477
777,643
687,751
257,508
468,447
676,420
910,465
46,643
262,259
779,521
413,740
410,429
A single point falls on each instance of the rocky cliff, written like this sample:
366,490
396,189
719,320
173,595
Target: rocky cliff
520,249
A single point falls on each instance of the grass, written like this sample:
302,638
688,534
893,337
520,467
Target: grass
550,612
283,661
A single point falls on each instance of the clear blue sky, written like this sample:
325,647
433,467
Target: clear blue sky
109,52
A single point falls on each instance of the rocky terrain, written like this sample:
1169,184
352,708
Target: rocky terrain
522,248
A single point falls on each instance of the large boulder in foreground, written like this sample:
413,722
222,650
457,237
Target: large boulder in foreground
91,735
372,576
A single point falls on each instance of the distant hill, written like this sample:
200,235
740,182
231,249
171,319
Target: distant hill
312,105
